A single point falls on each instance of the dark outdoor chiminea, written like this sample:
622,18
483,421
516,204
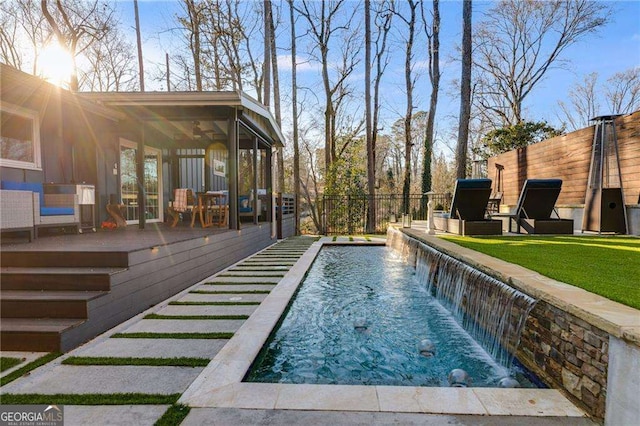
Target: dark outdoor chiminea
604,209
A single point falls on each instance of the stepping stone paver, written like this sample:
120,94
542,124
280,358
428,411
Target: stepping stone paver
71,379
247,280
236,287
156,348
207,310
112,415
257,274
184,326
196,297
260,268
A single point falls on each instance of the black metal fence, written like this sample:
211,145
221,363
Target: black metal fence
344,214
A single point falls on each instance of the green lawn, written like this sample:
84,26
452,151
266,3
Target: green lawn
605,265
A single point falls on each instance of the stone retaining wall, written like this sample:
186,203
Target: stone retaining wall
567,353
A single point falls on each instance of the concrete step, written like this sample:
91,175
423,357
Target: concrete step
34,334
46,304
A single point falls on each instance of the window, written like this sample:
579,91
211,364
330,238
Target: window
19,138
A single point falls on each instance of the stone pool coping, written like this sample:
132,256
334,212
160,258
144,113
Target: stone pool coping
220,383
612,317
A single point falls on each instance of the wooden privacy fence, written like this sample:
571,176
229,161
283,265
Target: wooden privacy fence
567,157
347,214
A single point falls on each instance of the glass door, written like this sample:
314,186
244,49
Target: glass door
152,182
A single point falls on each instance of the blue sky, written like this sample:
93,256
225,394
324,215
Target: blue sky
615,48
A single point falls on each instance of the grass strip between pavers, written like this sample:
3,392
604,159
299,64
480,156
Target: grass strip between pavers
173,416
239,283
155,362
148,335
230,292
196,317
7,362
251,275
269,268
24,370
178,303
91,399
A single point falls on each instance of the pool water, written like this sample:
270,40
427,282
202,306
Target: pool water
321,339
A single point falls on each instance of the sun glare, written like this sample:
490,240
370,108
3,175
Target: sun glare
56,64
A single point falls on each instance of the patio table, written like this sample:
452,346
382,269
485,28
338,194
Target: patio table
208,203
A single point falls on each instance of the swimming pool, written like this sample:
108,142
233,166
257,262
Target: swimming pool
359,318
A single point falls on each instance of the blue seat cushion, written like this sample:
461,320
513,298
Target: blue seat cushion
37,187
25,186
56,211
244,204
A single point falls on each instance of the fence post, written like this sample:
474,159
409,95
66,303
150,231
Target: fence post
279,215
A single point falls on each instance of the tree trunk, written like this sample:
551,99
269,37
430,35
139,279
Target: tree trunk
294,107
266,73
139,42
408,144
371,159
434,76
276,95
465,93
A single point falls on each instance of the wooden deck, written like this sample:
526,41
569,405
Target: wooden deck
60,291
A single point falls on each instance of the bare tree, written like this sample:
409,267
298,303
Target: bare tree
9,48
76,25
371,160
409,80
433,39
193,23
583,103
621,95
519,41
465,93
139,45
623,91
294,107
266,65
273,61
20,21
111,65
383,19
323,28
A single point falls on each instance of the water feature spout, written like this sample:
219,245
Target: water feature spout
508,382
427,348
458,378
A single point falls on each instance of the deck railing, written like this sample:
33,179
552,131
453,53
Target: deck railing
347,214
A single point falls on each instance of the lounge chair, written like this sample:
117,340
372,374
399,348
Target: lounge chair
468,210
535,206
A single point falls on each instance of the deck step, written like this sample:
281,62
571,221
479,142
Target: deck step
46,304
34,334
64,259
58,279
